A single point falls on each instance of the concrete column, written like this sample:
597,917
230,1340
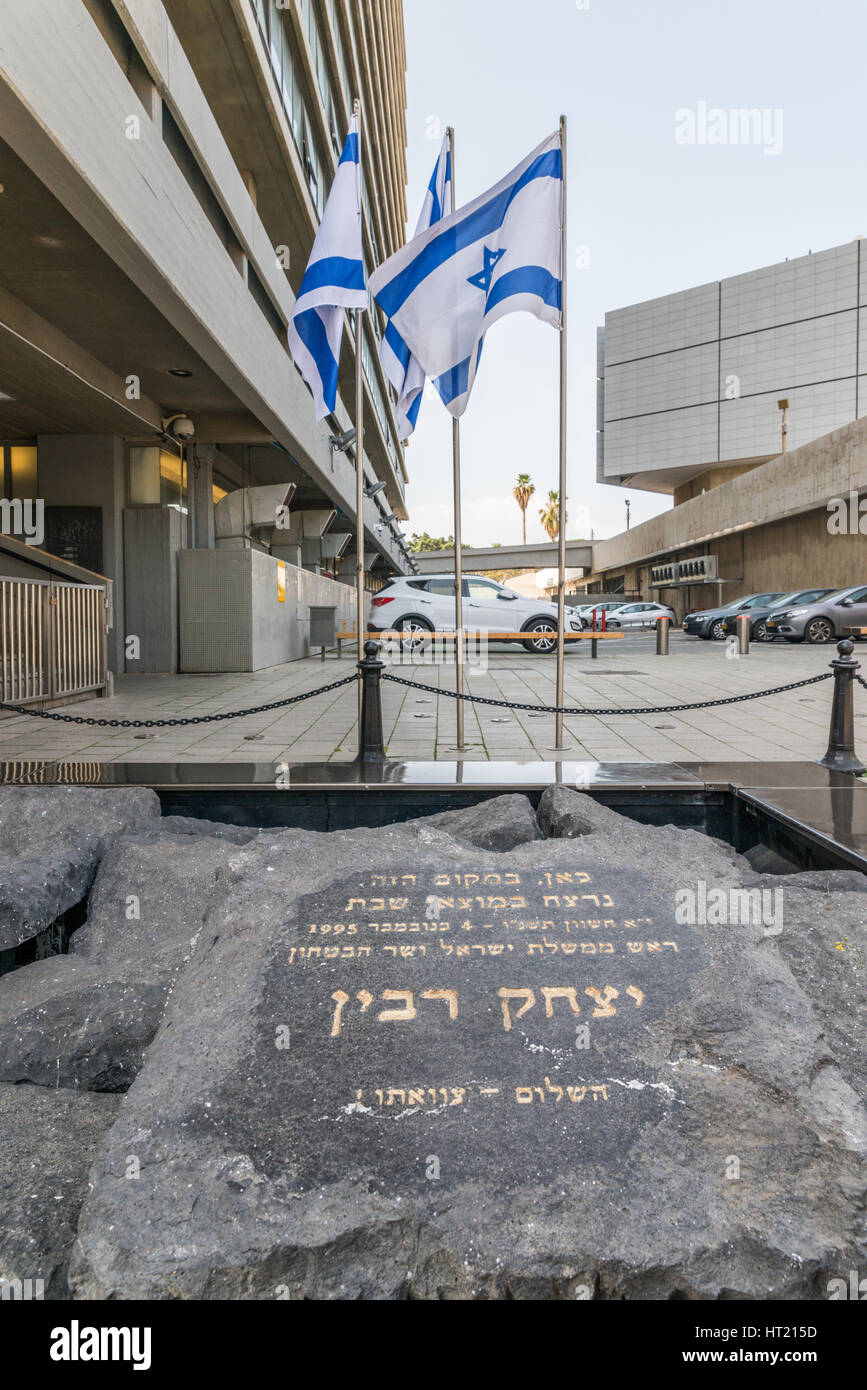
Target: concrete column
152,540
89,471
202,498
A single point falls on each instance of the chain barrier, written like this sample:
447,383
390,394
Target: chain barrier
861,681
643,709
413,685
179,723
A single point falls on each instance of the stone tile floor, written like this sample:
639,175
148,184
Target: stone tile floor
421,727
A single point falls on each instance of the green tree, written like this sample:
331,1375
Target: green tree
549,516
523,495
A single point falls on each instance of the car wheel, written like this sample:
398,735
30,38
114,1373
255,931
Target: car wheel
718,630
541,646
819,631
414,633
761,633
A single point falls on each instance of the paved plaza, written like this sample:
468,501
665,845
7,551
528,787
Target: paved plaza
421,726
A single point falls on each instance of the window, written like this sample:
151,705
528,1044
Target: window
443,588
18,472
157,478
481,588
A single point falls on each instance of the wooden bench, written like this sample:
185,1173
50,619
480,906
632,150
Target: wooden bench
593,637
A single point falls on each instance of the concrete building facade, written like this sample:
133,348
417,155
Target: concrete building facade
163,169
690,384
690,393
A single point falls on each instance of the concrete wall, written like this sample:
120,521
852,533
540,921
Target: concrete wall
152,541
89,471
231,617
769,528
668,399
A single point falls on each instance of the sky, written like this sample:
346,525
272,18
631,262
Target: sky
648,214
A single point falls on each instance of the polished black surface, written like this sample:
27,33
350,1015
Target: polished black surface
499,776
817,816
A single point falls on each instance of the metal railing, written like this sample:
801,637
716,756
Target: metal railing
52,639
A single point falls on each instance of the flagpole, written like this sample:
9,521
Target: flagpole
561,578
459,562
359,441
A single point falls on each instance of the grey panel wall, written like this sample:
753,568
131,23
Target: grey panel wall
231,617
152,540
694,378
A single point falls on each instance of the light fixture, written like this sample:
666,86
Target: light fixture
375,489
4,396
179,371
341,442
390,518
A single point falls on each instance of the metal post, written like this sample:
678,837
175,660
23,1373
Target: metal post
359,441
663,631
744,634
561,577
460,743
841,755
371,748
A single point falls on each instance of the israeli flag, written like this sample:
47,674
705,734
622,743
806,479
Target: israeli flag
333,281
498,255
403,370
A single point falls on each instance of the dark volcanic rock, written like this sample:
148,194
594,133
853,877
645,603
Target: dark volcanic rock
47,1142
149,901
398,1067
214,830
84,1020
64,1022
51,842
566,815
499,824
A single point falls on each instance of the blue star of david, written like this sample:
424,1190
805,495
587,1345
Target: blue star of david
482,281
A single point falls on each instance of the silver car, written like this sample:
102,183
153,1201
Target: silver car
821,622
418,607
639,615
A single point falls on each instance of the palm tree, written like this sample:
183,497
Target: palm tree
522,495
550,516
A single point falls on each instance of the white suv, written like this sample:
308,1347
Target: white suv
418,607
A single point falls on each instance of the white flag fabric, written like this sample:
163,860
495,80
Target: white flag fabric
499,254
333,281
402,369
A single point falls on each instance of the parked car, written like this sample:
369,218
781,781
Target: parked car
759,630
418,607
639,615
710,622
822,621
608,606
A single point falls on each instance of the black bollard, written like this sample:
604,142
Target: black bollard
370,743
841,756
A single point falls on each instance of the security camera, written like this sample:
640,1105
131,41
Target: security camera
180,426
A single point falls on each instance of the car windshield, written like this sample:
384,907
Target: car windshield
840,594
